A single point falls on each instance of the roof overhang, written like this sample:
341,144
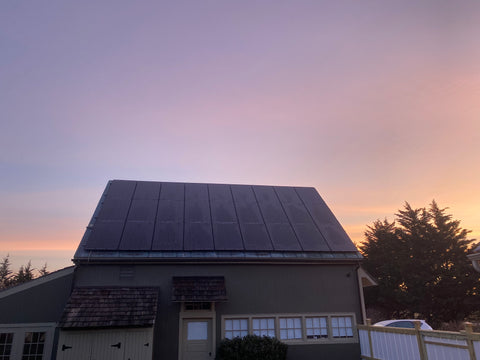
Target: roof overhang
90,257
107,307
198,289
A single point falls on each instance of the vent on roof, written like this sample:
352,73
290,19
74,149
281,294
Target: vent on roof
127,272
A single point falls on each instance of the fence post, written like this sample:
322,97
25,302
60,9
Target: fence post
369,325
468,338
421,344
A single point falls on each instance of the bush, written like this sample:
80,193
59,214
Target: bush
252,347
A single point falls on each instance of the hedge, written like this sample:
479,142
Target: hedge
252,347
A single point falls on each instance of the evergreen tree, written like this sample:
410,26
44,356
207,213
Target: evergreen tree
5,272
421,266
25,273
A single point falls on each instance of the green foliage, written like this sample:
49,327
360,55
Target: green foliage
421,266
252,347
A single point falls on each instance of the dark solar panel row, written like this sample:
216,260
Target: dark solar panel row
144,216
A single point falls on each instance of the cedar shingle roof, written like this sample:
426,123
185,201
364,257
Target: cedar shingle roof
110,307
199,288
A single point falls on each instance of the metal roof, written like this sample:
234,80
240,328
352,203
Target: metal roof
145,219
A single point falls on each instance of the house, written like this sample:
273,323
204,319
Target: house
167,270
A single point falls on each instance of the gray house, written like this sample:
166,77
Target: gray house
168,270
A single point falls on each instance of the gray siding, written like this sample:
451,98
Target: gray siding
251,289
39,304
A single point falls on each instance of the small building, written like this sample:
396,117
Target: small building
168,270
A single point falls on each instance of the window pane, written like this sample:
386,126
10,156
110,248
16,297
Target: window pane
271,324
342,326
228,325
236,324
318,328
197,330
283,323
244,324
256,324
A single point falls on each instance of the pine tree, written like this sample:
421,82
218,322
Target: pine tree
421,266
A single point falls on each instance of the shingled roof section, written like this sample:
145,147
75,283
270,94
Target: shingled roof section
102,307
199,288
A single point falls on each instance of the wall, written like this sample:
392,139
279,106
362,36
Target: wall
251,289
41,303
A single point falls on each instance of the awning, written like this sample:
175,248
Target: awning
101,307
199,289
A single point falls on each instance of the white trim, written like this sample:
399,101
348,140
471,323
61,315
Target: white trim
303,316
197,314
36,282
19,331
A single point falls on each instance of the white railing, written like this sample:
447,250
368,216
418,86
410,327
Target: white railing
388,343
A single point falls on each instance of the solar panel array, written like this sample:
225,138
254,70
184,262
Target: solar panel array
163,216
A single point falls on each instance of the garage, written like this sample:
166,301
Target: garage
118,344
108,323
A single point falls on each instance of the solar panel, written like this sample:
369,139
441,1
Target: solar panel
147,190
153,216
137,235
168,236
325,221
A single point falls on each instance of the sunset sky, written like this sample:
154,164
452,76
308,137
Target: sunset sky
373,103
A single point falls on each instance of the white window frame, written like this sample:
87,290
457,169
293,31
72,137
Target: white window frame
19,331
330,339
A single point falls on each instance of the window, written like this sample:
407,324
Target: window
197,330
6,340
294,328
290,328
189,306
264,327
342,327
33,346
236,328
316,327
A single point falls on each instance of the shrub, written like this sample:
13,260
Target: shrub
252,347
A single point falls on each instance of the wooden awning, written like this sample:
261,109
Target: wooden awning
104,307
198,289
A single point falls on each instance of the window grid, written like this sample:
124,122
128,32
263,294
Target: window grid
33,346
236,328
263,326
6,340
342,327
308,328
316,327
291,328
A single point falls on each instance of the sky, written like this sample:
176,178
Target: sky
373,103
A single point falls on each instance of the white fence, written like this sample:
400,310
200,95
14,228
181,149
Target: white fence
386,343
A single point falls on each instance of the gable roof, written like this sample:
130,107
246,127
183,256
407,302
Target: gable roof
143,219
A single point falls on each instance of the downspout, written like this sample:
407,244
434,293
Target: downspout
362,300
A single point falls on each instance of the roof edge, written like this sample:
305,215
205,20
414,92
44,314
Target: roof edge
37,281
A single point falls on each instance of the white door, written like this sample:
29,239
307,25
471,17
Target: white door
108,345
131,344
138,345
74,345
197,339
